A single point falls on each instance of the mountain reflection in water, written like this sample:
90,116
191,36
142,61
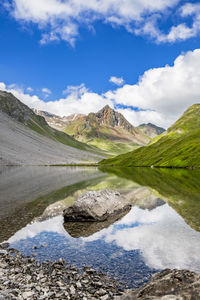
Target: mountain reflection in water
161,230
131,249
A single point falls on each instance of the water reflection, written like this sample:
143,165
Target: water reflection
25,192
179,187
160,231
131,249
85,229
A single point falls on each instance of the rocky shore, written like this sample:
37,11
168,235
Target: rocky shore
24,278
168,285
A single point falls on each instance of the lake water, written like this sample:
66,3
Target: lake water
161,230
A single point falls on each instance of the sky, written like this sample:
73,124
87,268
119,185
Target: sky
140,57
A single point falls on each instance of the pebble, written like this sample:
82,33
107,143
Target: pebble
23,278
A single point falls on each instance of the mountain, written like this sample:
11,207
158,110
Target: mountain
151,130
179,146
107,130
26,138
55,121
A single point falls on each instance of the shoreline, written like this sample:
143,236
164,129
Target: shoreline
24,278
102,166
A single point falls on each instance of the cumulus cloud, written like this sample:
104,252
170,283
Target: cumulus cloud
161,235
116,80
46,91
29,89
160,96
76,90
61,19
78,100
163,93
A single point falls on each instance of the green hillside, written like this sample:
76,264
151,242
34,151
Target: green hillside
179,146
111,140
22,113
108,130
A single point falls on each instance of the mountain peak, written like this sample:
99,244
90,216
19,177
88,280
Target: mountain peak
105,108
109,117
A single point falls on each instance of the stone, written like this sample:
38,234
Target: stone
168,285
72,290
105,297
51,280
79,285
4,245
101,292
27,294
96,206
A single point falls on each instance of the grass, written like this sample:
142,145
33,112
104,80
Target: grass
179,147
102,138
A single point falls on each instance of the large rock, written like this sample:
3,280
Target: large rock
168,285
96,206
85,229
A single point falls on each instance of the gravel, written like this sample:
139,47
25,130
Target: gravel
20,145
23,277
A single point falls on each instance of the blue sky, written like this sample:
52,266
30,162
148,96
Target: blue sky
50,46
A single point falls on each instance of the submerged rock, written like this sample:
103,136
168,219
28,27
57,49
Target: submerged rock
168,285
85,229
96,206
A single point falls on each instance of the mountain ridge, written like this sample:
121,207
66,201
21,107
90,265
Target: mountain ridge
107,129
20,112
26,139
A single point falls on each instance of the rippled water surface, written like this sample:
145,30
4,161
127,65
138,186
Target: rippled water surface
161,230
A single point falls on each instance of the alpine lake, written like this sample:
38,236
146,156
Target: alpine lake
162,230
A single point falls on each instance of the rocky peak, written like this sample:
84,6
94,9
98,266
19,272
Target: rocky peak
110,117
151,129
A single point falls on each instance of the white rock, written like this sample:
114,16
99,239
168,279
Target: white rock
96,206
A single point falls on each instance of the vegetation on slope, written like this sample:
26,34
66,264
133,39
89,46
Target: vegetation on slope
179,146
180,188
110,131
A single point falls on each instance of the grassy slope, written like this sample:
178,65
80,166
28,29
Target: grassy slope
179,187
178,147
103,138
22,113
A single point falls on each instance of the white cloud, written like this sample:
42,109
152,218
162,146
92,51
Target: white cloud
46,91
29,89
31,230
161,94
182,31
116,80
161,235
78,100
2,86
75,89
61,19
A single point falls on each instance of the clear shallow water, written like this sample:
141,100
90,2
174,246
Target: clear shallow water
161,230
131,249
